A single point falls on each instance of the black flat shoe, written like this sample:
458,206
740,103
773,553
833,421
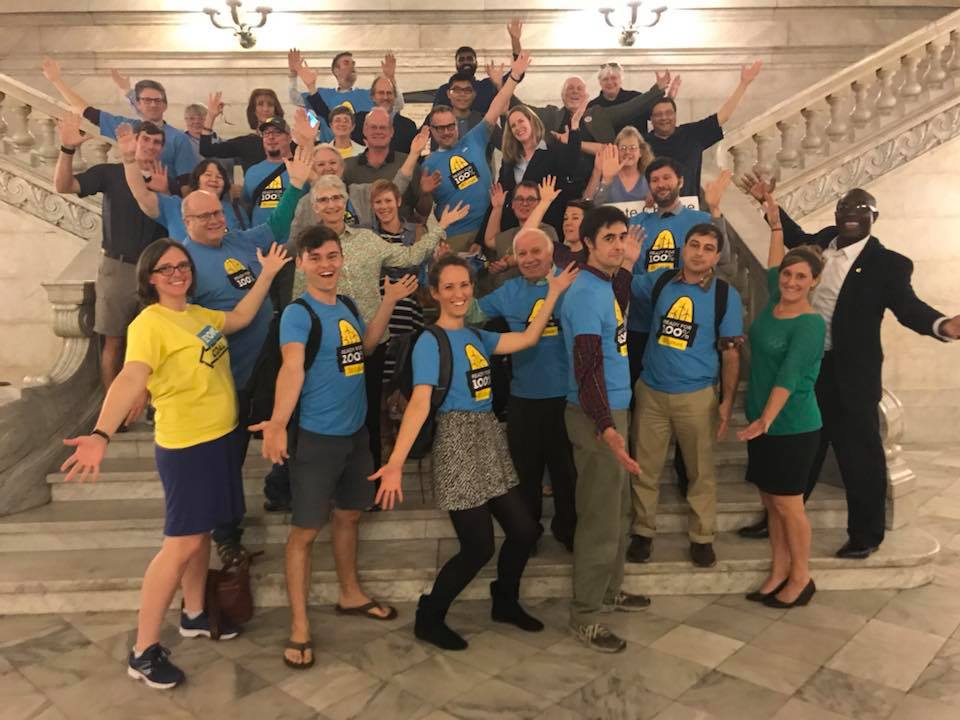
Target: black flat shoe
757,531
852,551
758,596
802,599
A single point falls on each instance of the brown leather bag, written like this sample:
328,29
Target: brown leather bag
229,598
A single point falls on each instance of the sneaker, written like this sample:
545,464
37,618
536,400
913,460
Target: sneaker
154,668
598,637
702,554
640,548
627,602
200,627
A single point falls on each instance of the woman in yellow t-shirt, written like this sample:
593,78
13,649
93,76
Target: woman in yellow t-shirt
179,353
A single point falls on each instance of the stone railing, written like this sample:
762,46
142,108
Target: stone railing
29,146
857,124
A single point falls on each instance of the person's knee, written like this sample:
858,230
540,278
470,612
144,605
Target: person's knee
478,553
299,537
526,532
347,517
184,547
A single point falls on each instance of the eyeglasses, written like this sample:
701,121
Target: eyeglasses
444,128
457,90
327,199
525,200
207,216
151,100
629,148
168,270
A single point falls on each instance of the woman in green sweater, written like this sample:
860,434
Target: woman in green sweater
786,343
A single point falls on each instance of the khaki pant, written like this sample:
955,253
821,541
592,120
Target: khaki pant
603,515
692,418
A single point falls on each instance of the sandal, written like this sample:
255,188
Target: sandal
302,648
365,611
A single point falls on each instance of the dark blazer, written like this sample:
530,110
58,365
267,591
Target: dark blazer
878,280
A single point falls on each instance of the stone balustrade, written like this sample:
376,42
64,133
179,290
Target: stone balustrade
858,123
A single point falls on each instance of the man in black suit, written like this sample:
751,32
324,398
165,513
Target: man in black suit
861,280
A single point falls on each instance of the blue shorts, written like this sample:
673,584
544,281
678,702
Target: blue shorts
202,485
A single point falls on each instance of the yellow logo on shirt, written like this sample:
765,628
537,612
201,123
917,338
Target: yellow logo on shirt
479,377
350,353
214,345
270,195
349,105
677,329
621,329
663,252
463,174
239,275
552,329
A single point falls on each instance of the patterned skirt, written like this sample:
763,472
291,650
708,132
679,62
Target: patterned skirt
471,460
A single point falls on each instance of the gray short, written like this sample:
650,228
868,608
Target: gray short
116,305
330,471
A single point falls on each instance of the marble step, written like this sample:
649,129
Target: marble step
400,570
138,523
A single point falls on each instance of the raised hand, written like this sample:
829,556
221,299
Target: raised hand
771,209
515,28
498,266
399,289
302,132
159,179
120,80
578,114
609,163
548,189
274,446
420,140
715,189
51,70
300,166
495,73
497,196
214,107
390,491
440,250
756,187
293,61
663,79
126,140
674,88
631,251
274,260
564,279
520,65
70,133
748,73
562,137
388,66
619,449
451,215
308,76
86,459
430,181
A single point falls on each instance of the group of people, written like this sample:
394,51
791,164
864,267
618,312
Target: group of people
623,336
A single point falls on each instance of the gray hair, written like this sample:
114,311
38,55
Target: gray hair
195,109
327,182
532,231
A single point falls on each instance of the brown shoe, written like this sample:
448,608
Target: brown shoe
702,555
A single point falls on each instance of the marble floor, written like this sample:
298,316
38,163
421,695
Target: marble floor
861,655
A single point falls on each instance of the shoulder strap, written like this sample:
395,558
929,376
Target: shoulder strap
720,298
351,305
238,214
277,172
660,284
315,336
445,375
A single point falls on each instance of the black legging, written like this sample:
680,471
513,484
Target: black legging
474,528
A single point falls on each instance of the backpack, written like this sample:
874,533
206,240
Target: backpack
402,352
263,382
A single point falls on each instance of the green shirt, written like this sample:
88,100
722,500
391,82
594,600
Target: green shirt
785,353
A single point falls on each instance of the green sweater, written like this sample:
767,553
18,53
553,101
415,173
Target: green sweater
785,353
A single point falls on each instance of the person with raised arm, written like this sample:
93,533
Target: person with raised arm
248,149
474,479
178,352
618,170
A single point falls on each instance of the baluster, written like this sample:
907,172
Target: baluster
47,150
862,114
789,155
887,99
837,129
79,164
741,160
935,74
19,119
765,167
911,84
98,150
3,123
812,141
953,67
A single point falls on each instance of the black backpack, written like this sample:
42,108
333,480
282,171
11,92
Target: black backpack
263,382
401,349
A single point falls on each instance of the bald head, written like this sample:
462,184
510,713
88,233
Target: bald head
203,217
855,214
533,250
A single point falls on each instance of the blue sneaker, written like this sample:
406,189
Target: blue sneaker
200,627
154,668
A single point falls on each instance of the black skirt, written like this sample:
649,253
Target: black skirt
780,464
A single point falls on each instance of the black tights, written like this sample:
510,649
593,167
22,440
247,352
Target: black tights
474,528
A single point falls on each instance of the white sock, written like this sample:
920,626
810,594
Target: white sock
136,654
192,616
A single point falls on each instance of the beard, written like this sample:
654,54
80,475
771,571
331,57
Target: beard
470,70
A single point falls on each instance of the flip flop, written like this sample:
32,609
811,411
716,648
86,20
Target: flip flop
301,647
364,610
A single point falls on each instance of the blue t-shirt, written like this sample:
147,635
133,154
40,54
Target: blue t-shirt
333,400
465,177
681,354
471,383
590,308
541,371
355,99
268,198
224,275
171,216
661,248
178,153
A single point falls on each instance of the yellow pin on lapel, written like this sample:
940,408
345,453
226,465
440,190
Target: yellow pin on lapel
858,270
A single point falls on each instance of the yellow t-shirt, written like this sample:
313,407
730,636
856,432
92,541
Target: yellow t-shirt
191,385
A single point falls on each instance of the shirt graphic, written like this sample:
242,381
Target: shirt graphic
240,276
677,328
552,329
463,174
663,252
621,330
350,350
214,345
478,376
270,196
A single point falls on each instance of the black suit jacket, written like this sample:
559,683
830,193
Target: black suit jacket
879,279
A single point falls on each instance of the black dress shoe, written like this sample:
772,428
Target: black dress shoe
852,551
758,596
757,531
802,599
639,549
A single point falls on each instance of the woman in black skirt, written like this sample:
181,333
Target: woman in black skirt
473,475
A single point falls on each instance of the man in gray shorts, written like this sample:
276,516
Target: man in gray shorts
331,462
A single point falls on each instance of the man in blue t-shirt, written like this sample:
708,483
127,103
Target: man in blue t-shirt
536,431
597,418
461,163
331,461
677,393
264,183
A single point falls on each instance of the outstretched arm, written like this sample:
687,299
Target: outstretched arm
51,71
71,137
748,73
145,197
512,342
502,99
243,314
287,393
548,193
393,291
497,199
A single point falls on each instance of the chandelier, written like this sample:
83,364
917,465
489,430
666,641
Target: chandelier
242,30
628,32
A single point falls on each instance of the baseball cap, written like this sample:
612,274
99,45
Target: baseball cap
275,122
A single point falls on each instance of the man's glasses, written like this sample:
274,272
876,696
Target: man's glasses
525,200
207,216
444,128
151,100
168,270
462,90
